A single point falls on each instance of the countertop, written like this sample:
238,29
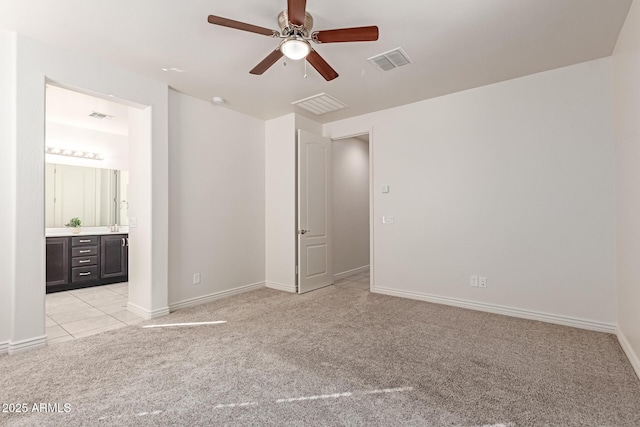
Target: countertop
86,231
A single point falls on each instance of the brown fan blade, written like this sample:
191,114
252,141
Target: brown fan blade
267,62
218,20
296,10
321,66
356,34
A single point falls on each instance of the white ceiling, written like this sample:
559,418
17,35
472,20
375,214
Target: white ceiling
69,126
74,109
455,45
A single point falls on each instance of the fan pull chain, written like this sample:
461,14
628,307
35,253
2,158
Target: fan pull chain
305,69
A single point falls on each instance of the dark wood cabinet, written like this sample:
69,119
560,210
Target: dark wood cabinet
57,261
83,261
114,256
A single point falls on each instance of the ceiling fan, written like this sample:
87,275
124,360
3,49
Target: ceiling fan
295,31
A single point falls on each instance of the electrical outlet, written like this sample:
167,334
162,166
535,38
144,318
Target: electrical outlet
474,281
196,279
482,282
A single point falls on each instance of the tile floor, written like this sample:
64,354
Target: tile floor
89,311
358,281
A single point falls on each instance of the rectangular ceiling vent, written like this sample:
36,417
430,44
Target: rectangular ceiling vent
100,116
389,60
320,104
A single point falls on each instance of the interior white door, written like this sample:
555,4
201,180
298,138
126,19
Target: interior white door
315,268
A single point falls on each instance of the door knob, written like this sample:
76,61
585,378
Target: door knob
303,231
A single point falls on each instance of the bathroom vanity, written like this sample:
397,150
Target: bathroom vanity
88,259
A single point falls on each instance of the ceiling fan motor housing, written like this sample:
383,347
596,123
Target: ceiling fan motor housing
288,29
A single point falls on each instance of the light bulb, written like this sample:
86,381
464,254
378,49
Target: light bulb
295,48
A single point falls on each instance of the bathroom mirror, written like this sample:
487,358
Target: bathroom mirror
98,197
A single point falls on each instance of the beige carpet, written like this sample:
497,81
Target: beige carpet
336,356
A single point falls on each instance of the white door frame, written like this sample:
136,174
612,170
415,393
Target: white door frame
144,275
371,199
33,64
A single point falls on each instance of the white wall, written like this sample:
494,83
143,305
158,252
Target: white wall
307,124
626,78
217,199
115,148
140,208
350,204
35,62
7,184
512,181
280,203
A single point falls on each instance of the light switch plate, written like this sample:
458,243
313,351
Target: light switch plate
385,188
133,222
387,220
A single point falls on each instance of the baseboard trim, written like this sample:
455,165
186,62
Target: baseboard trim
281,287
16,347
628,350
146,314
4,347
351,272
193,302
507,311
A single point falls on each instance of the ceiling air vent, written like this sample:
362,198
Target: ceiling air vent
392,59
100,116
320,104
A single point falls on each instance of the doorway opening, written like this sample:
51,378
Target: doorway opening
87,147
351,211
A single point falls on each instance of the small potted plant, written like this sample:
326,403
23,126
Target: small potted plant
75,225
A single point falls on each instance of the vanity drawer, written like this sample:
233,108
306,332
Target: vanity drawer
84,251
84,241
84,261
80,274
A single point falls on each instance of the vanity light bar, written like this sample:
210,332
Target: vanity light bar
73,153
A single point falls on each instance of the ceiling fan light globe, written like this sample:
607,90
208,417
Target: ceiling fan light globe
295,49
